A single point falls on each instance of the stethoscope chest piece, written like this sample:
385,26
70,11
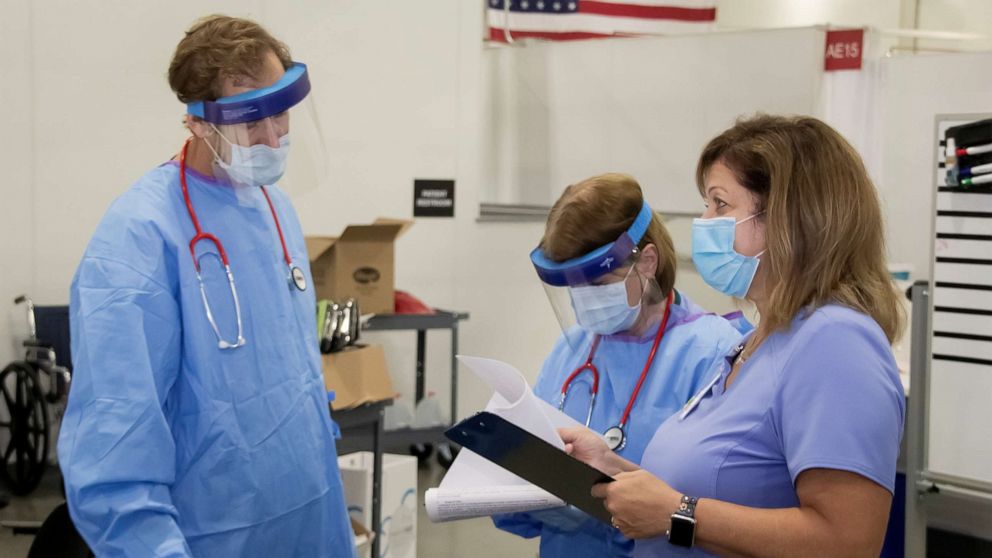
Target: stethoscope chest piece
615,438
297,278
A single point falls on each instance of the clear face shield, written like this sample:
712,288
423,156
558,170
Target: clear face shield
617,302
267,136
609,291
603,300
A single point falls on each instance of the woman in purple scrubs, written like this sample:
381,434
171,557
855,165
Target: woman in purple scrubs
791,448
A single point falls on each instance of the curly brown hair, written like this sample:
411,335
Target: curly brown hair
218,47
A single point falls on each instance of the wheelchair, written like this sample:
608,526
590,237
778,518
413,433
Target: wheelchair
33,392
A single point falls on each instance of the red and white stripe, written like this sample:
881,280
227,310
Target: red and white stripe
607,18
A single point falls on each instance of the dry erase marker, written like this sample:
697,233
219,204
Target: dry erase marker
976,150
950,157
978,169
984,179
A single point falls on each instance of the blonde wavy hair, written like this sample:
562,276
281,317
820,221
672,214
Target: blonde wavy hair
823,223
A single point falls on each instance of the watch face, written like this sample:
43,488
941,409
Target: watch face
683,531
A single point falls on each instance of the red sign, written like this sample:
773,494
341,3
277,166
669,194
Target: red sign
844,50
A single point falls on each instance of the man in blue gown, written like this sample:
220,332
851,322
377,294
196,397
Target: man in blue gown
198,422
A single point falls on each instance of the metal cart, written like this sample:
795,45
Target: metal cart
362,427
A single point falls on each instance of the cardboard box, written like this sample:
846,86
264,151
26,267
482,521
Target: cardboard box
358,264
358,375
398,536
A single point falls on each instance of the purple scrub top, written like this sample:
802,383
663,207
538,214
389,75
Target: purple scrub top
824,394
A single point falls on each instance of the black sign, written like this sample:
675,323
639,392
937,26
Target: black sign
433,198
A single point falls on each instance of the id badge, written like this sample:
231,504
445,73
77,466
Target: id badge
692,403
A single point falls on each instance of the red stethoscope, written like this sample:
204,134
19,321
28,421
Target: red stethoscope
296,277
616,436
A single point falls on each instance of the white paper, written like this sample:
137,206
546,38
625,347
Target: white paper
514,401
447,504
475,486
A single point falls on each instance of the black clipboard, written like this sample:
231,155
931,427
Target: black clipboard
532,459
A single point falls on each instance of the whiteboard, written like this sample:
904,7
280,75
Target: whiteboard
916,90
560,112
957,431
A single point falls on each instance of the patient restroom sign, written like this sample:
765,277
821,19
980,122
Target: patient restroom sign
844,50
433,198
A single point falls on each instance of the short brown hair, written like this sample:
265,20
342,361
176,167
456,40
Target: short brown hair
219,47
824,228
595,212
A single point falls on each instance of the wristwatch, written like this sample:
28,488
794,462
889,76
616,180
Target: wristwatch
683,529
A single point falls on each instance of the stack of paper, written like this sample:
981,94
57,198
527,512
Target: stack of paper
474,486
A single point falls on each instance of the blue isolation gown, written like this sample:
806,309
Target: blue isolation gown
171,446
694,343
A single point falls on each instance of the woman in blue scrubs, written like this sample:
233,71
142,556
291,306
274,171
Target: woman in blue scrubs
608,265
790,449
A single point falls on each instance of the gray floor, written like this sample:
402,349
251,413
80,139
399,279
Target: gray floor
475,537
34,507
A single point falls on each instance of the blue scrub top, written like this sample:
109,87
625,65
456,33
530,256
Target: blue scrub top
692,346
171,446
823,394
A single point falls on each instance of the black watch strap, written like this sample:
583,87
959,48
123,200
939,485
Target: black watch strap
688,506
683,526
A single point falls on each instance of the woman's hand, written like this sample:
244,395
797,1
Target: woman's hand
641,504
588,447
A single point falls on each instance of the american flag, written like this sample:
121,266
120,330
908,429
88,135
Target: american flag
565,20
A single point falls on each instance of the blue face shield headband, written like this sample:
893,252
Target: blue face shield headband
257,104
595,264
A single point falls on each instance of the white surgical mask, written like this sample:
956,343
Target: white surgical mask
603,309
256,165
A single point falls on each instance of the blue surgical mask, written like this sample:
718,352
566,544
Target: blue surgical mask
603,309
722,267
256,165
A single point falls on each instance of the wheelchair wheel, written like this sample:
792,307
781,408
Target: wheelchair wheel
24,416
446,454
421,451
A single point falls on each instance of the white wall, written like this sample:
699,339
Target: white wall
966,16
397,85
17,209
87,113
932,15
792,13
914,91
563,111
962,16
400,99
399,96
